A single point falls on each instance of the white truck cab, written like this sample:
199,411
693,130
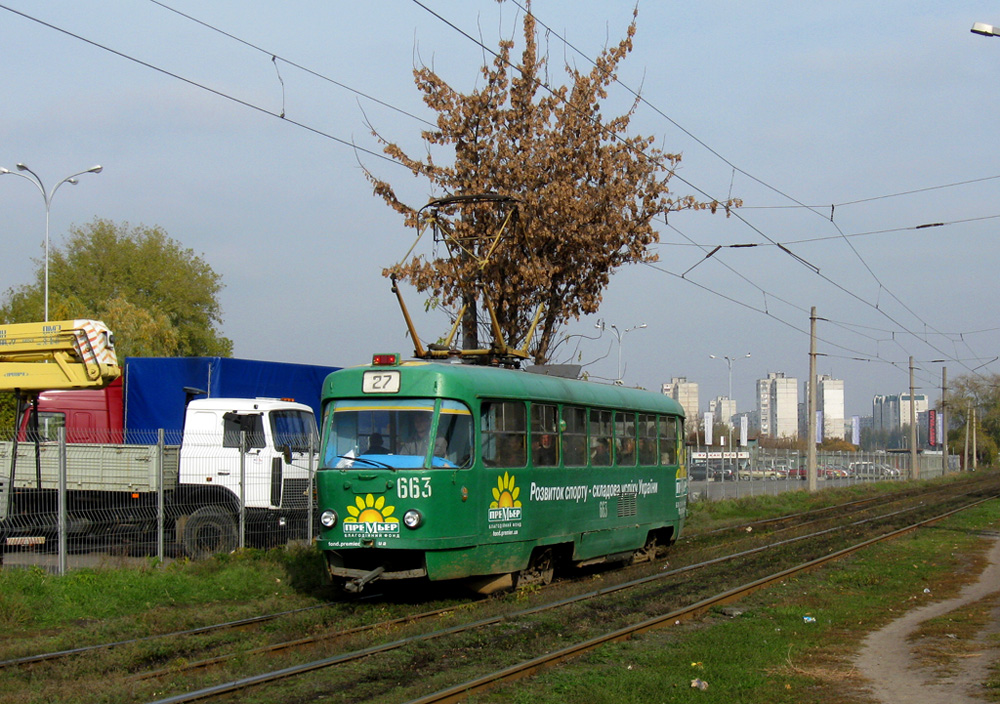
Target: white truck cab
270,443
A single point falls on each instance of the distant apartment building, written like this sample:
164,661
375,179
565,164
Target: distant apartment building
829,405
893,412
685,393
722,409
778,405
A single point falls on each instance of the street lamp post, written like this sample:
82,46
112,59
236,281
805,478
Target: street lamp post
619,336
729,421
47,197
729,361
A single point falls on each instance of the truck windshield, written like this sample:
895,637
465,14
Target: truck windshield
400,433
296,429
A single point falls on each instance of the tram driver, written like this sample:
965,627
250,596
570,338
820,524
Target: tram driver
417,442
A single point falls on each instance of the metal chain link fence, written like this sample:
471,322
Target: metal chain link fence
153,500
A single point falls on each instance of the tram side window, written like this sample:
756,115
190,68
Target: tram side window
625,439
670,433
544,435
600,438
647,439
455,429
504,430
574,437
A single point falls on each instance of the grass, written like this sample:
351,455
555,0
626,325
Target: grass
942,643
792,643
708,515
40,611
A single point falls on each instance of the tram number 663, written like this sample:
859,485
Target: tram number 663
414,488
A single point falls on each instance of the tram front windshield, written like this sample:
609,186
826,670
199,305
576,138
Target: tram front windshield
397,433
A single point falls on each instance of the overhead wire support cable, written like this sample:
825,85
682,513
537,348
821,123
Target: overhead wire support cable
749,175
190,82
275,58
381,156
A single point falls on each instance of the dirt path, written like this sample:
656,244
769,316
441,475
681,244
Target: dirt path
886,662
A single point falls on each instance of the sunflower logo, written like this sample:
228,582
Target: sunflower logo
505,493
370,510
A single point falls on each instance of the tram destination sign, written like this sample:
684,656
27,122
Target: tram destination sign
380,381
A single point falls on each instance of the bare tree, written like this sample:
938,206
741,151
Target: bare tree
586,192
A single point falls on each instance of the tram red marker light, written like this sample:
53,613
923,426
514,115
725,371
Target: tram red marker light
385,360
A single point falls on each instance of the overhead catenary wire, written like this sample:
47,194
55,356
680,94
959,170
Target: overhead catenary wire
882,286
333,137
196,84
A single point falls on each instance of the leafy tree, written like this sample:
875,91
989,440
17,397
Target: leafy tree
587,193
157,297
837,445
981,394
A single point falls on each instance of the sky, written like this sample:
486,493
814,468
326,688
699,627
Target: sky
845,129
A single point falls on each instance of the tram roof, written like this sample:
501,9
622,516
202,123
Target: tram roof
473,381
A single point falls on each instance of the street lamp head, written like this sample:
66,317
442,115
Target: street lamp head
4,171
643,325
95,169
22,167
72,181
985,29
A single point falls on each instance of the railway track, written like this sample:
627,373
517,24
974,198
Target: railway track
526,668
732,537
656,594
648,590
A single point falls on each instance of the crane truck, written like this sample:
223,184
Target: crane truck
239,474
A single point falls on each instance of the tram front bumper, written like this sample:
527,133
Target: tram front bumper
355,580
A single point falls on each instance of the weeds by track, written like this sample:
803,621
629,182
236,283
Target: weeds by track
426,651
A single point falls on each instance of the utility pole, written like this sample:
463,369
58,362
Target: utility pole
944,421
811,419
965,453
975,446
914,474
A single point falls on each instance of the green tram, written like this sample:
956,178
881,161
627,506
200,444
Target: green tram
454,471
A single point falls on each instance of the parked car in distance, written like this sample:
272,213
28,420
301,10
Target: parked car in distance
757,472
698,472
890,472
835,471
872,470
801,473
724,473
827,471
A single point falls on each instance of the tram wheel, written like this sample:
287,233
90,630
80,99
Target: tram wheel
540,569
648,552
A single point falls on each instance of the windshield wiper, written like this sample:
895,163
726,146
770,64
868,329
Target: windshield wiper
373,463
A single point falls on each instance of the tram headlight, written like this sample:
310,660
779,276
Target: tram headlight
328,519
413,519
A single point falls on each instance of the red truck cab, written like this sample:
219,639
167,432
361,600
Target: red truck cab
89,415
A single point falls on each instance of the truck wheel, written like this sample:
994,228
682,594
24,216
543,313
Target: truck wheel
209,531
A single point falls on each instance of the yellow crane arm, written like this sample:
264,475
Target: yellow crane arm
67,354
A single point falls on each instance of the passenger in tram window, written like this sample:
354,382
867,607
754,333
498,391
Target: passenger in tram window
601,454
511,451
626,455
419,439
544,453
375,446
647,450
